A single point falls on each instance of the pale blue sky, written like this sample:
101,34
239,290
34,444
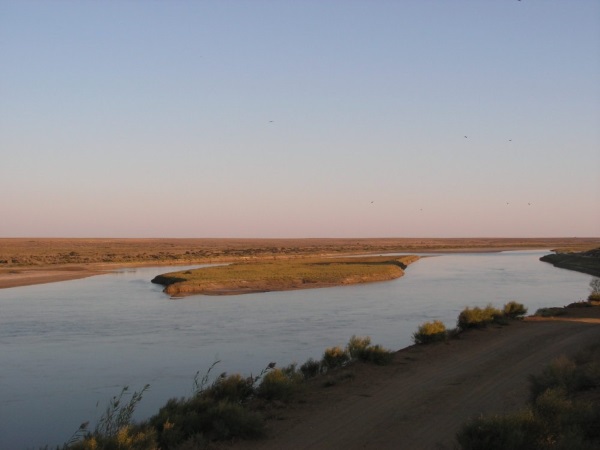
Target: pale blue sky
300,118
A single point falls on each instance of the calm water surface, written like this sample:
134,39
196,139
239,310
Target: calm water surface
66,348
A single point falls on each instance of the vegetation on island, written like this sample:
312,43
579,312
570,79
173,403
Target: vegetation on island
239,278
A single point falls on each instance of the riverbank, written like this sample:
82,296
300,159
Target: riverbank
429,391
27,261
585,262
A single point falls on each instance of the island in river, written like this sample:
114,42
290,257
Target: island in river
280,275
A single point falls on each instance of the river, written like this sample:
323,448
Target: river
66,348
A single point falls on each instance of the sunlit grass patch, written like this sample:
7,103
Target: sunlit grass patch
430,332
281,275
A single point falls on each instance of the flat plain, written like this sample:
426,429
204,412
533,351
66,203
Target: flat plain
25,261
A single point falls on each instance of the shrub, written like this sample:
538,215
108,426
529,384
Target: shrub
514,310
126,438
580,304
118,414
517,431
551,406
594,290
551,312
335,357
180,420
560,373
477,317
357,346
310,368
430,332
280,384
360,348
491,314
377,354
233,388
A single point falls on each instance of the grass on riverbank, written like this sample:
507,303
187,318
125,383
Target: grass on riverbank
231,407
240,278
468,318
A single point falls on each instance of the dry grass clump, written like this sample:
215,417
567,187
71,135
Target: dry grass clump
478,317
469,318
430,332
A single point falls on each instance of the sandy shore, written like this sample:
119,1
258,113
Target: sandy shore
28,276
421,400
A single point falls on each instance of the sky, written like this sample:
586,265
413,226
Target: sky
280,118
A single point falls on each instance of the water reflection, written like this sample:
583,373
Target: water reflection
66,346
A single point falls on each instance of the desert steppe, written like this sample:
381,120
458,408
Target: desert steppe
26,261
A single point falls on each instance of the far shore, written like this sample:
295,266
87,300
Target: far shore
30,275
25,262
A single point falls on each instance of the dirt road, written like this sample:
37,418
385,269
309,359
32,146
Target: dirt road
421,400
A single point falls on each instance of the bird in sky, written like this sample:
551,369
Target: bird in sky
465,137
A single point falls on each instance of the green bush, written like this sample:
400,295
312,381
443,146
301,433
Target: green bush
310,368
572,375
233,388
552,406
335,357
180,420
594,290
357,346
518,431
430,332
126,438
360,348
478,317
280,384
560,373
514,310
377,354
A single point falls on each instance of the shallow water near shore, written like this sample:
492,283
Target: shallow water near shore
67,347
